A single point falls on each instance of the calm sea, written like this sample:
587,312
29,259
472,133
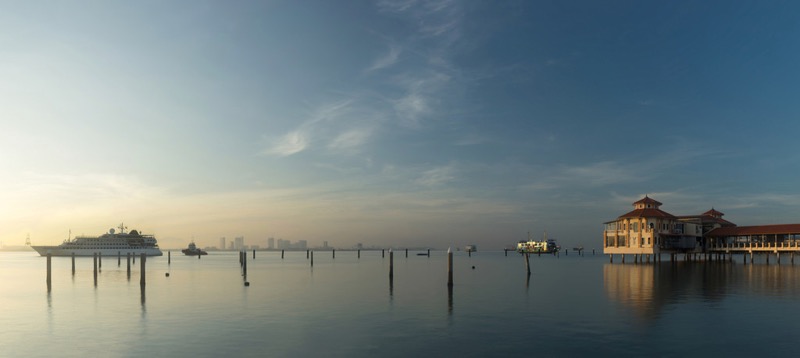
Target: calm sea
571,306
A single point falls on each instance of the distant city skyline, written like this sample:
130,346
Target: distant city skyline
392,123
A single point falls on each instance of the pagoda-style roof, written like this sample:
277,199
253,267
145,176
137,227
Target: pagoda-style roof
648,200
648,213
713,213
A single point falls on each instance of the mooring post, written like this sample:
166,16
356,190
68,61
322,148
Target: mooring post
119,258
383,254
429,252
611,258
791,257
359,253
48,272
134,258
254,254
312,258
767,255
505,251
129,265
100,261
141,279
623,258
94,261
169,257
333,253
73,264
406,252
244,263
778,257
527,263
282,254
449,268
391,264
306,254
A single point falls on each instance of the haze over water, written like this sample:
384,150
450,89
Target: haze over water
346,307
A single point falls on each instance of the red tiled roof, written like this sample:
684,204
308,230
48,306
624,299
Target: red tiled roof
707,218
755,230
713,212
648,213
647,200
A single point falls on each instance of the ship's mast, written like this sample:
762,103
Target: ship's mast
122,228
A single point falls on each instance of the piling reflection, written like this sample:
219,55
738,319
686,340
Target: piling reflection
648,289
450,299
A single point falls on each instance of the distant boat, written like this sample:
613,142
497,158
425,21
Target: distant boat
471,248
111,243
577,248
192,250
545,246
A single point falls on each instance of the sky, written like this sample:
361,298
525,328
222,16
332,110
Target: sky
392,123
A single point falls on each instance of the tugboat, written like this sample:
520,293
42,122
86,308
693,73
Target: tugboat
192,250
546,246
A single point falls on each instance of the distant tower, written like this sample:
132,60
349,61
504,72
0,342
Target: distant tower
271,243
222,243
239,243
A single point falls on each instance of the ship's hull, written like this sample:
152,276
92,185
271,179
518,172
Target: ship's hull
60,251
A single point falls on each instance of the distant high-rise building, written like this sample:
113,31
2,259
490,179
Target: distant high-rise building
239,243
325,244
271,243
230,246
302,244
222,243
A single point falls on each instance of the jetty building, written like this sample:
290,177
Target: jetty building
649,230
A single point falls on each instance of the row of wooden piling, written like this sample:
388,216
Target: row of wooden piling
97,264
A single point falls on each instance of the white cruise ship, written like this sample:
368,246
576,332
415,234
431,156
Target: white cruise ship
109,244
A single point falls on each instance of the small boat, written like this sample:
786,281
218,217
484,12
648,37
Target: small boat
545,246
471,248
192,250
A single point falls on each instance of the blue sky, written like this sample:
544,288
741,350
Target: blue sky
402,123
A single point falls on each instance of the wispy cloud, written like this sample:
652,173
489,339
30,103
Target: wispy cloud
437,176
293,142
351,139
386,60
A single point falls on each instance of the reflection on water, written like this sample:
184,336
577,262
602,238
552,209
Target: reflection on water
648,289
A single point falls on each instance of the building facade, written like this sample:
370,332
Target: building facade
648,229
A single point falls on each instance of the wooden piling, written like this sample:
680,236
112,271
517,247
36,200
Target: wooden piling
282,254
134,258
49,267
73,264
312,258
254,254
306,254
129,265
359,253
505,251
94,260
767,255
142,269
383,254
244,264
429,252
333,253
449,268
100,261
391,264
406,252
169,257
119,258
611,258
